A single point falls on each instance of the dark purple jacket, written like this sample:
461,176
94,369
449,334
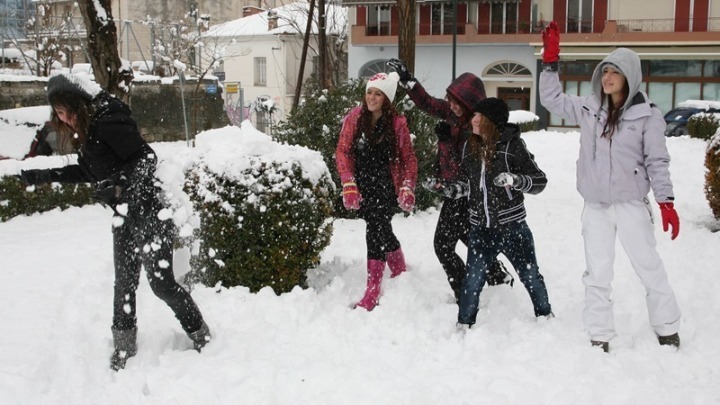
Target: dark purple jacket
468,89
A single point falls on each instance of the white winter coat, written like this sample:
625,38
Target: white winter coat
624,167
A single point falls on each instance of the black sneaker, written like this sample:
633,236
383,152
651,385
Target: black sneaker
604,345
670,340
497,274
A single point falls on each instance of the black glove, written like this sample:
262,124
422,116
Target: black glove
434,185
452,190
35,176
401,69
442,130
107,192
456,190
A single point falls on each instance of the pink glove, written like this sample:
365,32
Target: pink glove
351,196
406,199
670,217
551,43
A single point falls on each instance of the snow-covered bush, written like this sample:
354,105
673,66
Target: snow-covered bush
702,125
265,211
17,199
712,177
526,120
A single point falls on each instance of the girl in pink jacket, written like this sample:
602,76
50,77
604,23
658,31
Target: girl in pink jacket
378,170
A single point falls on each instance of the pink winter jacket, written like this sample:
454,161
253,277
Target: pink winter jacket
403,168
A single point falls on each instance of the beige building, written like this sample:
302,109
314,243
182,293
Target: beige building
499,41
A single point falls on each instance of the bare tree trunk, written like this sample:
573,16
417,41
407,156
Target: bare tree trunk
406,35
303,57
102,44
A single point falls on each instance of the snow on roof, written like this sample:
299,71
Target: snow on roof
292,19
701,104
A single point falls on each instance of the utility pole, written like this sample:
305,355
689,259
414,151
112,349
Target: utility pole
322,47
303,57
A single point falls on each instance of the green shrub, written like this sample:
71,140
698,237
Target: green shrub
265,229
528,126
712,177
702,126
16,200
317,122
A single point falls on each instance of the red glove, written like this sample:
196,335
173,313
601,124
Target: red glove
406,199
351,196
551,43
670,217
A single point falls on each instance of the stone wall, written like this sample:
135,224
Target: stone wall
156,104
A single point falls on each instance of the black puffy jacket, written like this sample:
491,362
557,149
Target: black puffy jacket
113,149
491,205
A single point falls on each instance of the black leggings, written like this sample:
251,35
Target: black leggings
379,237
145,241
452,227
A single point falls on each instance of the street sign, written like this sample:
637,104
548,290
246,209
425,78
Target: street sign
231,88
220,76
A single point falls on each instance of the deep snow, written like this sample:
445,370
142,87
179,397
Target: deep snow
308,346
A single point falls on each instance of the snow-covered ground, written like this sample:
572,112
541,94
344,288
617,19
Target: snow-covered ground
308,346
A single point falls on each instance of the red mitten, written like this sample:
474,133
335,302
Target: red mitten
351,196
551,43
670,217
406,199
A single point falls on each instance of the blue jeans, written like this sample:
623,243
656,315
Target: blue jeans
515,241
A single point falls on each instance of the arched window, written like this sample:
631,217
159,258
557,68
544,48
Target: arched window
374,67
506,69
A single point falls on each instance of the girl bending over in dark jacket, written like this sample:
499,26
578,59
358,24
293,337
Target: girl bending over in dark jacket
113,156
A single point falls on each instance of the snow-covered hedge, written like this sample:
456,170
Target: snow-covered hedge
703,125
264,210
17,199
712,177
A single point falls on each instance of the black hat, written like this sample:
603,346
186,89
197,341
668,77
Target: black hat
495,110
73,84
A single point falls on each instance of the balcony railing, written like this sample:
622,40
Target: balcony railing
663,25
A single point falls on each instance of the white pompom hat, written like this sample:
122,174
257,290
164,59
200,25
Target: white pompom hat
385,82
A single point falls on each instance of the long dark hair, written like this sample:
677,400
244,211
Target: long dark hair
483,146
614,111
81,108
384,123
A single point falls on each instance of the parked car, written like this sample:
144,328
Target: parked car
676,120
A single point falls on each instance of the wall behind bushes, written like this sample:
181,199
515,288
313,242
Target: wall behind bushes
156,105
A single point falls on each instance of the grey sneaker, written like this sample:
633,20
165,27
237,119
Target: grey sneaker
605,346
200,337
125,342
670,340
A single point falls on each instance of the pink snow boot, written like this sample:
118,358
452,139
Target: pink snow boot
396,262
372,292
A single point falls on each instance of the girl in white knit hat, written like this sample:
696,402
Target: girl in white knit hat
378,169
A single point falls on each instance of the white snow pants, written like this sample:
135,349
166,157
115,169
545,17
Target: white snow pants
633,224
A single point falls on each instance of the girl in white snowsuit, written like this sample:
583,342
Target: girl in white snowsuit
622,156
113,156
